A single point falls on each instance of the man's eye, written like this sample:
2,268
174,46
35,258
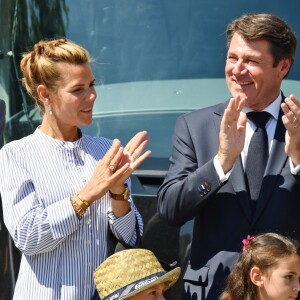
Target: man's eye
252,62
232,59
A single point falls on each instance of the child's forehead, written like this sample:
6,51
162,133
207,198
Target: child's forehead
289,263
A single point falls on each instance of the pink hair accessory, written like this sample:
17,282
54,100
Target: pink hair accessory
247,241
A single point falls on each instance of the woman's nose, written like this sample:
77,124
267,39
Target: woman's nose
93,95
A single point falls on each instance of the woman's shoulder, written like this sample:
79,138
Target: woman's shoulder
17,150
19,144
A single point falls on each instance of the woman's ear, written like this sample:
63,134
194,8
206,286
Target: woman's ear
256,276
43,94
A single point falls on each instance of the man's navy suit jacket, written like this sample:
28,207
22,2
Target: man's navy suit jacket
222,213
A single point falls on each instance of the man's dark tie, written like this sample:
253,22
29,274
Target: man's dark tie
258,153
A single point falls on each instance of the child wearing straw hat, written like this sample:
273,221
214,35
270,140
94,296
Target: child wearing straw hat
133,274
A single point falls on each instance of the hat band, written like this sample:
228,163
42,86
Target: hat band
136,285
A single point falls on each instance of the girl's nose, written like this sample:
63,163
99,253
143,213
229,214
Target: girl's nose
297,286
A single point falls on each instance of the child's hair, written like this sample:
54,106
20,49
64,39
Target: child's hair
263,251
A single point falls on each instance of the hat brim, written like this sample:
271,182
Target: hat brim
170,278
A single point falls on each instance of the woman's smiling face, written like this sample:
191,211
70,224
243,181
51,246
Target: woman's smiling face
73,100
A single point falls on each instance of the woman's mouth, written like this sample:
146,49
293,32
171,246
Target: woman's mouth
87,110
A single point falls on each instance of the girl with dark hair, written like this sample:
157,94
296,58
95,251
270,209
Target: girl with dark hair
268,268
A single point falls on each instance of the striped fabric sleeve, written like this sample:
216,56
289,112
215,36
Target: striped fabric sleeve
62,218
124,227
33,227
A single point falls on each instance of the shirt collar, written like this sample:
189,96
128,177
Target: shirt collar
273,108
57,143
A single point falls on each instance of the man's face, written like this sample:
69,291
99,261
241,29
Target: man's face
250,73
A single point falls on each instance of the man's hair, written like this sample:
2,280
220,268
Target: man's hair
282,40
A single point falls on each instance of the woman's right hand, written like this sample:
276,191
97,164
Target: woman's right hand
132,154
115,167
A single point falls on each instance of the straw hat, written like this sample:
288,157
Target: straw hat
129,272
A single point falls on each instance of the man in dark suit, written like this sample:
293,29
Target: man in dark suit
207,179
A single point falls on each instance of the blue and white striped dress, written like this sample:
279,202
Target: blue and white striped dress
60,252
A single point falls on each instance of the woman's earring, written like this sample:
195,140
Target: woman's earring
50,110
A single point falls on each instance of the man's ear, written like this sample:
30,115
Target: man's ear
43,94
256,276
285,65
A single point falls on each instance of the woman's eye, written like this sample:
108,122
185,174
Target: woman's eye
77,90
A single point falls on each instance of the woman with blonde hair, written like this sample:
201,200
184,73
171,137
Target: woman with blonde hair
65,193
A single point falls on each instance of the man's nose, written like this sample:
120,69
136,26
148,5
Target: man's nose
239,68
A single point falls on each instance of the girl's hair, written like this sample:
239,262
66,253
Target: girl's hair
39,66
262,251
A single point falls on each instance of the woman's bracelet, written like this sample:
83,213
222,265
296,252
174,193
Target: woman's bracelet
83,200
78,209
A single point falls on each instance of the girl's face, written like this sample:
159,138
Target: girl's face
153,293
281,282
